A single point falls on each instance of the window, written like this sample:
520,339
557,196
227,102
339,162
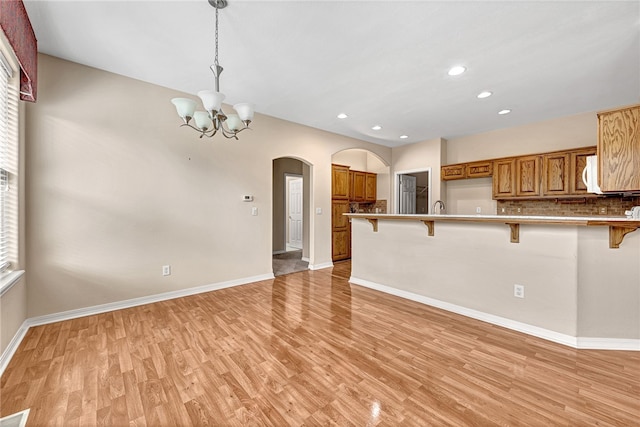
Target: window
8,165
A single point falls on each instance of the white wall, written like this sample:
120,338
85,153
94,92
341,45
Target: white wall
116,189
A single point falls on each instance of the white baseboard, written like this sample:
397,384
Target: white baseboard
320,266
568,340
608,344
8,353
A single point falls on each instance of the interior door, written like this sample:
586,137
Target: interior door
407,194
295,212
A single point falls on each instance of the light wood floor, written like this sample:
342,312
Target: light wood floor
309,349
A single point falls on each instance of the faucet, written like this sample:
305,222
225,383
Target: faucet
442,208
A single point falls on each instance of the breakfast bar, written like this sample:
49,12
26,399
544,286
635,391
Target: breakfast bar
577,278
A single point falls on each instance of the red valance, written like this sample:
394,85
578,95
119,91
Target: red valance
15,23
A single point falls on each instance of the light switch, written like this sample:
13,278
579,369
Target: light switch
318,211
254,211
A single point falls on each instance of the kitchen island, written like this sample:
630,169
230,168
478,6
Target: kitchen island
580,275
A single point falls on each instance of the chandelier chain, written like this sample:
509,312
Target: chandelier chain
216,56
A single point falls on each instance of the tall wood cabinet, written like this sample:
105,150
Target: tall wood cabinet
340,182
619,150
340,231
347,186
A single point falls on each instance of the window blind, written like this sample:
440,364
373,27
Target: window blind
8,160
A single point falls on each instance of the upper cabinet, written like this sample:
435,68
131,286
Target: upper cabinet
359,186
340,182
467,170
619,150
545,175
371,187
556,172
504,178
351,185
578,161
528,176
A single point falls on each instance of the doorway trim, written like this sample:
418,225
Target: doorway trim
286,208
396,186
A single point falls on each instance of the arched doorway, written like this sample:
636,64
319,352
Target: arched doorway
291,215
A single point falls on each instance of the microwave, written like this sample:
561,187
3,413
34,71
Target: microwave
590,175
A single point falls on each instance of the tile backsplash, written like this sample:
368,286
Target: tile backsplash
588,206
379,206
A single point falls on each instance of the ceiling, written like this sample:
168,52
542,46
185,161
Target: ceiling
381,62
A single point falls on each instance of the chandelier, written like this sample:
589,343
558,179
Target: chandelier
214,120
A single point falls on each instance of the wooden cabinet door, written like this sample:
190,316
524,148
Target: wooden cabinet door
371,187
555,174
340,230
619,150
528,176
479,169
450,172
339,182
504,181
359,186
577,164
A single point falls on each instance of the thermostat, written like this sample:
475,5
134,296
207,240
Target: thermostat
247,198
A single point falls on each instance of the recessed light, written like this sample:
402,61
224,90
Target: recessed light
485,94
503,112
342,116
457,70
404,136
377,127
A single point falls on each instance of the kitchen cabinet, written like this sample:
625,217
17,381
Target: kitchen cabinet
340,182
504,180
480,169
340,231
528,176
451,172
556,174
578,161
619,150
359,186
371,187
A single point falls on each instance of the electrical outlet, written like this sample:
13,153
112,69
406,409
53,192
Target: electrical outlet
478,209
503,210
166,270
603,210
518,291
519,210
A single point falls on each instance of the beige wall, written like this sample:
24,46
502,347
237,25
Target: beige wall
464,196
418,157
575,284
116,189
13,312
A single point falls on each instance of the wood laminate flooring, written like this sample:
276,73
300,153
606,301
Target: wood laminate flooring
309,349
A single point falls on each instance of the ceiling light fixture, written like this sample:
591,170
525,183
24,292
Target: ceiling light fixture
404,136
457,70
485,94
342,116
214,120
503,112
377,127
